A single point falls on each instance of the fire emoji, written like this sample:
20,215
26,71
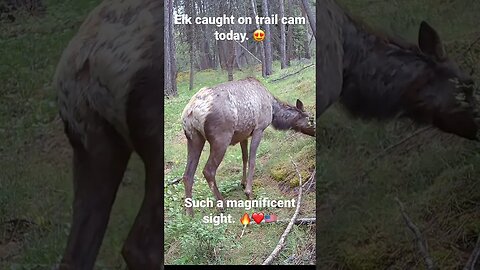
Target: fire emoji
245,220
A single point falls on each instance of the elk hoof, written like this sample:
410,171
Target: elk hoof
249,194
190,212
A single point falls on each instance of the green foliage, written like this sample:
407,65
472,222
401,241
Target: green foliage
434,174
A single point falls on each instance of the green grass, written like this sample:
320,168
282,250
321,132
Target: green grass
193,242
434,174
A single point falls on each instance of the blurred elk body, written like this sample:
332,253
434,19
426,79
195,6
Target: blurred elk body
376,76
228,114
110,95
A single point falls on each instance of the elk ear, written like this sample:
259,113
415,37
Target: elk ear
299,105
429,42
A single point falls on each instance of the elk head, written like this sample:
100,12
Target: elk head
443,94
304,122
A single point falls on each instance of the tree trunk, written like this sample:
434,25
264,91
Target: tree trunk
306,44
289,54
262,49
230,53
311,19
283,41
267,42
170,65
191,41
306,47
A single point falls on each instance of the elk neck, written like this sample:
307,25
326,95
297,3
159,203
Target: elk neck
283,115
378,71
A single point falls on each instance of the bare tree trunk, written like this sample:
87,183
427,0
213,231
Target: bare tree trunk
267,42
311,19
283,41
191,41
306,47
230,53
240,57
306,44
289,54
218,64
170,65
262,49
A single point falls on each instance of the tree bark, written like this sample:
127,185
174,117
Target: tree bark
230,52
311,19
191,41
267,42
262,49
283,41
306,44
289,54
170,65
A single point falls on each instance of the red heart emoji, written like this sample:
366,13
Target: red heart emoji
257,217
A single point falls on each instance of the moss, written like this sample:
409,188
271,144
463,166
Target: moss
295,180
279,173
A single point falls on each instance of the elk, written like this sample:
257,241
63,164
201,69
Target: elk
231,113
110,94
377,76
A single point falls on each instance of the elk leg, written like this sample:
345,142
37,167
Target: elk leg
244,145
143,248
256,137
195,146
97,172
217,152
144,245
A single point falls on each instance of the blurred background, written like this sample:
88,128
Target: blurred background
362,166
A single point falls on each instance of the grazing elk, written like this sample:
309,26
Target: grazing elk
376,76
110,93
228,114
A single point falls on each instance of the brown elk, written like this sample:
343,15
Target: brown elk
110,94
376,76
228,114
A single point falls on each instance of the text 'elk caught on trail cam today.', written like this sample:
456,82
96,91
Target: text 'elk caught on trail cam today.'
239,133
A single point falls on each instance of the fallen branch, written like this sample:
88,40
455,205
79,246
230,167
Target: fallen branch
301,221
281,242
421,242
176,181
243,47
311,179
298,221
290,74
472,261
